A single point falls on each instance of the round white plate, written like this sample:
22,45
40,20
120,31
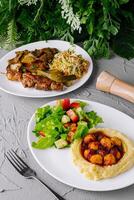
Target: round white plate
58,163
16,88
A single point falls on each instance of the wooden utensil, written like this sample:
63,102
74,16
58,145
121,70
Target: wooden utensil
108,83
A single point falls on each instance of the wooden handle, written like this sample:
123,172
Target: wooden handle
109,83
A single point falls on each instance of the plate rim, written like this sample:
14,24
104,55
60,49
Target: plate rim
59,179
48,95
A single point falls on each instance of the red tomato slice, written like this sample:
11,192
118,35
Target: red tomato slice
72,115
65,103
75,105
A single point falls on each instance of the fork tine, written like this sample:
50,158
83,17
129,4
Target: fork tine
13,163
19,159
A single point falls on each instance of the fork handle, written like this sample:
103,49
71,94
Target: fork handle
57,196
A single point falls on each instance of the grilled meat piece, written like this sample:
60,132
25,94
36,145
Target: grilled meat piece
28,80
24,68
39,52
35,66
56,86
43,83
45,55
17,58
13,75
40,83
41,59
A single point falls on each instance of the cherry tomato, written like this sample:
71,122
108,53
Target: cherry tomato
75,105
65,103
72,115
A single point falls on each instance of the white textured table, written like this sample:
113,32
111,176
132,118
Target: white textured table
15,113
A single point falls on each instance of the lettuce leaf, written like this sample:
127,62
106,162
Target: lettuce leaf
82,130
43,143
48,120
63,136
58,112
90,117
82,114
82,104
94,119
42,113
50,125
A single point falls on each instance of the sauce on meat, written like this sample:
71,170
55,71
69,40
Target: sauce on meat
97,148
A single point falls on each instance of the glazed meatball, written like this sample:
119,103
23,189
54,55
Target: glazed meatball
106,142
89,138
86,153
102,152
116,141
100,149
109,159
116,153
93,145
100,136
96,159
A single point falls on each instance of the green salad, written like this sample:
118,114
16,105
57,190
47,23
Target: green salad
61,124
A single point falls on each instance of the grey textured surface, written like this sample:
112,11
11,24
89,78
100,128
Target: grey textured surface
15,113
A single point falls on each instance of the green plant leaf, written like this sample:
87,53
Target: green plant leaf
24,21
123,44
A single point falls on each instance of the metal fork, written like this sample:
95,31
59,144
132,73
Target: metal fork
26,171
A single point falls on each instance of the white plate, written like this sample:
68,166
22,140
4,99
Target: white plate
58,163
16,88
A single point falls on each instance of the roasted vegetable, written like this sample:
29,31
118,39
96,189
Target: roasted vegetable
56,76
28,58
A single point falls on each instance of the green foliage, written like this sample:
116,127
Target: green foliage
123,43
12,35
95,23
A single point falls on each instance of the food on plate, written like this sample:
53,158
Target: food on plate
41,68
103,153
61,124
24,67
56,76
69,63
